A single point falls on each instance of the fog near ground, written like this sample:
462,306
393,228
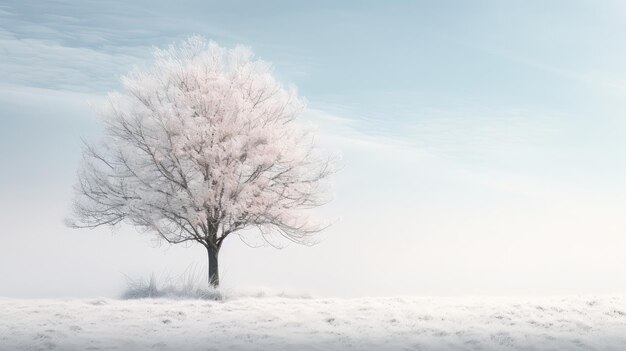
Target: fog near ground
395,232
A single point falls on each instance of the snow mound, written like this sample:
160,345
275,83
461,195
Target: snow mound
188,287
276,323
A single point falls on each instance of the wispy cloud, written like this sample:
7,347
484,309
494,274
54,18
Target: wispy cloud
596,78
48,63
83,46
468,132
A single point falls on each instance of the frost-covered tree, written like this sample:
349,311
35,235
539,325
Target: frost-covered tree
202,145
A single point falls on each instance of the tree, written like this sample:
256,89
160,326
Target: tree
202,145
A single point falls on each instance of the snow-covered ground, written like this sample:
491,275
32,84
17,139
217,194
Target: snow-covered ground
275,323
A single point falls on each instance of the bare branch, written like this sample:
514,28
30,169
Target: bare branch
202,145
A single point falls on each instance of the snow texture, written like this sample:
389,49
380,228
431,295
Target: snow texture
278,323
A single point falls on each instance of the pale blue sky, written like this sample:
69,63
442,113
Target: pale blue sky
483,142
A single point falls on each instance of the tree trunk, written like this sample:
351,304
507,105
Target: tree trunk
214,273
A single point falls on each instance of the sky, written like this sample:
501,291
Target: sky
482,143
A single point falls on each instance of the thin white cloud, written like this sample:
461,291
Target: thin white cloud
47,63
471,133
607,81
83,48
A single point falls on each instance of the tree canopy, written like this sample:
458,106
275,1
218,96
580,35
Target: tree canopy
203,144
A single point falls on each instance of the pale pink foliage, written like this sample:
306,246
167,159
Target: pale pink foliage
203,144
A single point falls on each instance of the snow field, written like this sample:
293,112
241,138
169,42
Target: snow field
279,323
